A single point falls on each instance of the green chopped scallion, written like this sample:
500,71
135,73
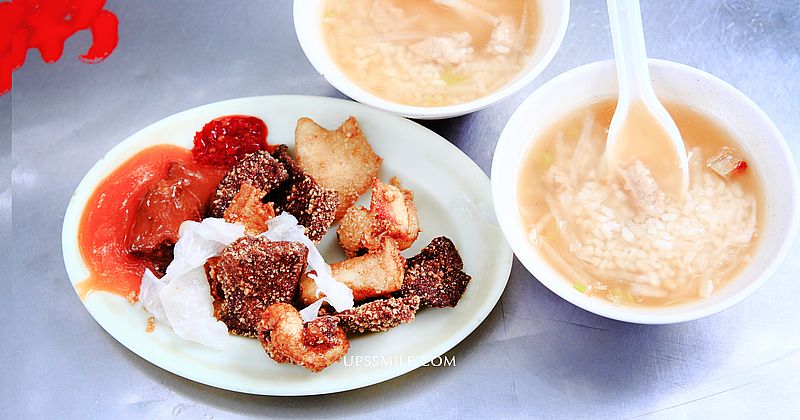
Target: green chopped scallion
452,78
579,287
546,159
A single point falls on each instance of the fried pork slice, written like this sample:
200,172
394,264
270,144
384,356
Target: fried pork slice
253,273
301,196
247,209
379,315
315,345
435,275
258,169
369,276
340,159
392,214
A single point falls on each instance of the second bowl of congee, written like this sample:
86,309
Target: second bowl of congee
612,241
430,58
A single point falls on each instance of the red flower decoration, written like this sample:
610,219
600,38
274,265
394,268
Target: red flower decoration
46,25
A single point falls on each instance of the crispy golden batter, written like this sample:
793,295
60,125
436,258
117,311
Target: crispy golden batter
315,346
369,276
435,275
340,159
355,231
252,273
246,208
391,214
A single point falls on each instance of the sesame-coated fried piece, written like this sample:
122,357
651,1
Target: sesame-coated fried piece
258,169
247,209
435,275
368,276
392,214
379,315
340,159
253,273
302,197
241,314
315,345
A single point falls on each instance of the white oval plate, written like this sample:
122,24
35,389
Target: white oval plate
452,196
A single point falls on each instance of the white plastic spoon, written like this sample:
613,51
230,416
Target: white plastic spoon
641,128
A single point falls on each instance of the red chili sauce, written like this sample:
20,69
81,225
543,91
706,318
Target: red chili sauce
131,221
111,212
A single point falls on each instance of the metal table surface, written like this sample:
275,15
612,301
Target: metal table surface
536,355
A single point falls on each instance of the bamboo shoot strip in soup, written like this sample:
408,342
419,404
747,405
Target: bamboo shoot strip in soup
430,52
619,237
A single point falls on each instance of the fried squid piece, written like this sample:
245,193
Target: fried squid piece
258,169
379,315
301,196
253,273
315,345
340,159
247,209
392,214
369,276
435,275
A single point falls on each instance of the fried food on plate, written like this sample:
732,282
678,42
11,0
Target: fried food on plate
313,205
315,345
247,209
435,275
392,214
340,159
258,169
369,276
253,273
379,315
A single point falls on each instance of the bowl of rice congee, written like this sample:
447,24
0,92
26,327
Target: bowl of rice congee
430,59
608,239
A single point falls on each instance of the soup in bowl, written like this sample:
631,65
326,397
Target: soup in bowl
434,58
614,244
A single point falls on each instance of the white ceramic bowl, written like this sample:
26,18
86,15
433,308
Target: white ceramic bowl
676,83
554,16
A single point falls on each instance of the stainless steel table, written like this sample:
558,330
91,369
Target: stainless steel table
536,355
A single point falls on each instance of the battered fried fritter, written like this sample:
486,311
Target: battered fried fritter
369,276
435,275
301,196
391,214
356,231
379,315
246,208
258,169
340,159
315,345
253,273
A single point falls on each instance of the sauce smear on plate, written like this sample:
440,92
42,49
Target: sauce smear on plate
107,220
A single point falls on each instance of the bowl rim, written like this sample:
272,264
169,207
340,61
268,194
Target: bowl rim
506,212
317,55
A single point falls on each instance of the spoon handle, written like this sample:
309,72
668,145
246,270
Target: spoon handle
627,35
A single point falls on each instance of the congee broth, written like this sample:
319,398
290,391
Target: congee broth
430,52
619,237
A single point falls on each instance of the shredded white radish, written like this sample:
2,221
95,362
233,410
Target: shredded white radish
182,297
189,308
284,227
